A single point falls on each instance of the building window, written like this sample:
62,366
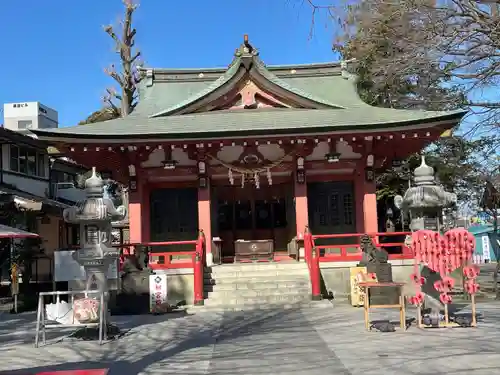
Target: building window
14,158
23,160
31,162
59,176
41,165
27,161
24,124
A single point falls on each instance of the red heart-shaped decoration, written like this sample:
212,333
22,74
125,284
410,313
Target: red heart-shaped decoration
443,253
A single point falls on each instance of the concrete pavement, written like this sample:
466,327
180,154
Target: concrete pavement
292,341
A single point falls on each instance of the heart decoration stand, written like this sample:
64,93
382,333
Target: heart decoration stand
444,254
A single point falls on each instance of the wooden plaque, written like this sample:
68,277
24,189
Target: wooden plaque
357,274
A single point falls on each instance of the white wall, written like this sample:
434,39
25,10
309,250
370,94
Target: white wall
35,186
41,116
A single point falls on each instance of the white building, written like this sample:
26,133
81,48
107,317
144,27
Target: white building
29,115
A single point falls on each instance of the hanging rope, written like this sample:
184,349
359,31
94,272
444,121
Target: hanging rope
250,171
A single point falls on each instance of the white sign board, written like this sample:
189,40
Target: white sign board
486,248
66,268
157,291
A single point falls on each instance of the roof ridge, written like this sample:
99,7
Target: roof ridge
249,61
328,64
280,82
230,73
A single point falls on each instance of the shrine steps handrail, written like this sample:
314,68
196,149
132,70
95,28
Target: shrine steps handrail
347,235
345,256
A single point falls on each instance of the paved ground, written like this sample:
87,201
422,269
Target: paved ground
303,341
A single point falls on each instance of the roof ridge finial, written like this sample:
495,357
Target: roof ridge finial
245,50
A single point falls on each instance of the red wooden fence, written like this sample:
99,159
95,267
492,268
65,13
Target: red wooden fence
195,259
314,254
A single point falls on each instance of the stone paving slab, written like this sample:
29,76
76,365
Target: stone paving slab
274,342
293,341
430,351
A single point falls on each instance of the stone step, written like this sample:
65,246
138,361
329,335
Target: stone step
266,273
260,307
237,294
272,299
238,284
277,279
238,267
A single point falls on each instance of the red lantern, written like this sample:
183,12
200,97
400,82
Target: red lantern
417,279
445,298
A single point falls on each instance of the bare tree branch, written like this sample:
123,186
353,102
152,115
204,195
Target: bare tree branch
456,41
127,77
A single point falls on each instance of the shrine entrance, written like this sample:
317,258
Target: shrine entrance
173,215
253,224
332,211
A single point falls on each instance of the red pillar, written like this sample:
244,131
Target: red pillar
204,217
370,208
135,215
198,271
366,204
301,208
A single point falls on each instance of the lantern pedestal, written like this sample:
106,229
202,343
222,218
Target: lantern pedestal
96,254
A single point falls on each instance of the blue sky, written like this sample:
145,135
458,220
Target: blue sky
55,51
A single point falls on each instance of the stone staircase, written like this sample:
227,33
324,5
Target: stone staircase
256,286
485,280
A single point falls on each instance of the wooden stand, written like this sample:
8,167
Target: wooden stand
447,323
254,251
401,305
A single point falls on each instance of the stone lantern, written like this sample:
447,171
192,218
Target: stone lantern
425,201
94,215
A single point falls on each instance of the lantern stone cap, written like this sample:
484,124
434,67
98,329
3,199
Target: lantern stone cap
424,174
94,184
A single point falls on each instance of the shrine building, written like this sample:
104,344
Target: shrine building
251,152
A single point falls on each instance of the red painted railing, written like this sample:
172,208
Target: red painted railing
195,259
352,251
313,252
311,257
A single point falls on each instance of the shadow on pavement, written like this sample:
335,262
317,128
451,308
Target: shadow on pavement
247,335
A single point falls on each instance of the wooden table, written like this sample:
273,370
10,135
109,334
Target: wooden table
365,286
257,250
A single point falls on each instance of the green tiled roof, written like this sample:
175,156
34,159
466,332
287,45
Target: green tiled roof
236,67
200,94
327,87
234,122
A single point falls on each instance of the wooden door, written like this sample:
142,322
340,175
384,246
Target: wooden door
252,214
174,214
331,207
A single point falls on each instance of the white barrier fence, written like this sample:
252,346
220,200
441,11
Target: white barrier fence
83,314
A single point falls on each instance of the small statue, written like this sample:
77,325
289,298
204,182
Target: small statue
372,254
139,261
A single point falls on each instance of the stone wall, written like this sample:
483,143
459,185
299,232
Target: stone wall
180,285
336,276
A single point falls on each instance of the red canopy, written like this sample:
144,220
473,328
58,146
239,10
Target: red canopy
10,232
